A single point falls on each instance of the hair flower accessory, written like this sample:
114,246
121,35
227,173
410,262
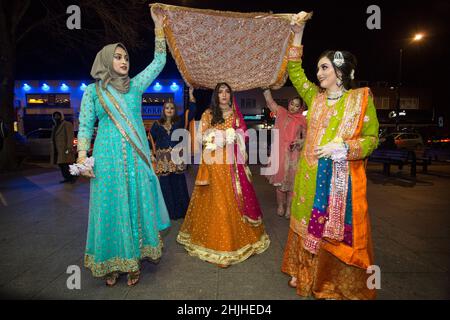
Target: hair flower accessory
352,74
338,59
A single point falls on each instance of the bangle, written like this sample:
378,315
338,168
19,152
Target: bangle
81,160
159,32
295,53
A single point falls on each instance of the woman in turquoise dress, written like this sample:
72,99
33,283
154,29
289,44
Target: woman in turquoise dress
126,209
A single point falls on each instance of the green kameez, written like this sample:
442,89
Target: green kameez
305,180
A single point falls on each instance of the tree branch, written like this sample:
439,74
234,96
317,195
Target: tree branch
19,12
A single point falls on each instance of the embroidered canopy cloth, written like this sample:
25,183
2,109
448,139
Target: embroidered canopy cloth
246,50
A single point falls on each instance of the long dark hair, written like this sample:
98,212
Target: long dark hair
217,116
163,118
344,71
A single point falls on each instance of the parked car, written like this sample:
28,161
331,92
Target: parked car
39,142
405,140
21,147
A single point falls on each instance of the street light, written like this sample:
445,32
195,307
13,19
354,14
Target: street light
417,37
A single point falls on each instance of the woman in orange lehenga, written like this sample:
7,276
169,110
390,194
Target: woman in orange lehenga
223,223
329,246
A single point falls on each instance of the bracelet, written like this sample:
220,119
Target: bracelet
81,160
159,33
295,53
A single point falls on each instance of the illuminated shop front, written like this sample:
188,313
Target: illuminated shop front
36,100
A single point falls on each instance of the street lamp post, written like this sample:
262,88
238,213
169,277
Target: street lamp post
399,84
417,37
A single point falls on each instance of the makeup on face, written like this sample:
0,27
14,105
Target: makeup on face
326,74
224,95
120,61
294,106
169,110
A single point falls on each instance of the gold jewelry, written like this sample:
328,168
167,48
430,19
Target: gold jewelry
295,53
159,32
81,160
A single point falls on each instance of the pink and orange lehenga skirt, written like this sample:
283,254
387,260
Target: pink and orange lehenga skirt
338,271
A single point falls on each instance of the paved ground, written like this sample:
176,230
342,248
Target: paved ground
43,228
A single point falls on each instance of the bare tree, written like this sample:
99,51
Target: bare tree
102,22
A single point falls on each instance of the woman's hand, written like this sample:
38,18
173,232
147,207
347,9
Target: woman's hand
82,156
296,145
157,16
88,173
298,21
298,26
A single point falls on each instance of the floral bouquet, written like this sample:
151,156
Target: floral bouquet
230,136
78,168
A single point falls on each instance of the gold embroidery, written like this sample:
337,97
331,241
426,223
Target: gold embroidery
100,269
160,45
295,53
119,109
318,123
187,57
84,144
159,33
223,257
119,127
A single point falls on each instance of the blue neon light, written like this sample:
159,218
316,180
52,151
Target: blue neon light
157,87
26,87
174,87
64,87
83,86
45,87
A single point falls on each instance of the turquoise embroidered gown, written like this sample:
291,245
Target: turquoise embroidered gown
126,208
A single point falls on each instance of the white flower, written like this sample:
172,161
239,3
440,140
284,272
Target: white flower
89,162
74,170
210,146
209,137
230,136
78,168
352,74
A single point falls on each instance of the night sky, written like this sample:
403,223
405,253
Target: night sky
335,25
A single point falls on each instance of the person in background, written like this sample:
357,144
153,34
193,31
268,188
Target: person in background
62,152
171,175
291,125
